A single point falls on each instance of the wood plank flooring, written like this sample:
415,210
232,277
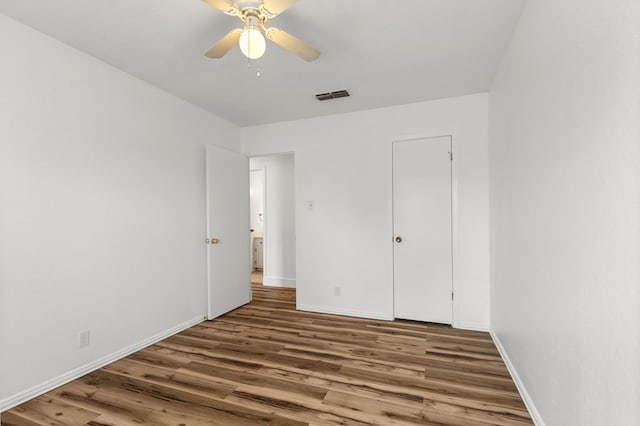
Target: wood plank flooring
266,363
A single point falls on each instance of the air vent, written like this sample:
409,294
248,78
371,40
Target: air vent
332,95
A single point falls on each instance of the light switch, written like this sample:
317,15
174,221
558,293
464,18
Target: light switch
83,338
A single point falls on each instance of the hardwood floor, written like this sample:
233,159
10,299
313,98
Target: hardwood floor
266,363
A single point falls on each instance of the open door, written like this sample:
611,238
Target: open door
228,251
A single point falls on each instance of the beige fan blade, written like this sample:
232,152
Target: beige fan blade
292,44
227,43
272,8
224,6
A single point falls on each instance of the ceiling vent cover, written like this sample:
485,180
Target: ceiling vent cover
332,95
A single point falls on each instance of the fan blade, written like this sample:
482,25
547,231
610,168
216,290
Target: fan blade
292,44
272,8
224,6
223,46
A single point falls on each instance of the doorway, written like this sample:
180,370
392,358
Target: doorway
256,214
422,229
272,220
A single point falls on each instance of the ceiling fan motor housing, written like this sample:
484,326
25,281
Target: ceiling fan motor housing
246,5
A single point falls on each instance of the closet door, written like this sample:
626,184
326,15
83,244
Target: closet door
422,230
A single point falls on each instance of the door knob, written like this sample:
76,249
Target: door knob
398,239
213,241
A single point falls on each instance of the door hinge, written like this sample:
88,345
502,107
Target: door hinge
451,295
451,156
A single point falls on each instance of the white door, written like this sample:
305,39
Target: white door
228,249
422,273
256,182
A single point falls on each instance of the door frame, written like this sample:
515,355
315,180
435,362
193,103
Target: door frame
455,321
266,201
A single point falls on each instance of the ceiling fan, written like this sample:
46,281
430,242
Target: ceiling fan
254,14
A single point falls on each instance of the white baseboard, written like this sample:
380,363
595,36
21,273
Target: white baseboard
279,282
24,396
473,326
347,312
531,407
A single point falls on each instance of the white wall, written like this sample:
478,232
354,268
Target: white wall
102,203
565,210
279,232
343,164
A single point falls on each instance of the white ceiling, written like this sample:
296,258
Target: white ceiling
384,53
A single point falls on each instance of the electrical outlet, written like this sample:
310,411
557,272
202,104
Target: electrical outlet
84,338
337,290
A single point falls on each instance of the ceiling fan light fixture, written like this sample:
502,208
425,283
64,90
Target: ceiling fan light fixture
254,14
252,43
